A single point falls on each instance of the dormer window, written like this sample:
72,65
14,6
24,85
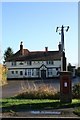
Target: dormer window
21,63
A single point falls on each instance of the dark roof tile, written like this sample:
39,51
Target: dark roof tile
35,56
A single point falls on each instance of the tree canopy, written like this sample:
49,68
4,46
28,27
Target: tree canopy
8,53
69,67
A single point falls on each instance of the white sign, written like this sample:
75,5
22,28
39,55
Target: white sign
65,84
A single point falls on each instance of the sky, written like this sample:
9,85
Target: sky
35,24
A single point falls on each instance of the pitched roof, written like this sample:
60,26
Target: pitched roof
35,56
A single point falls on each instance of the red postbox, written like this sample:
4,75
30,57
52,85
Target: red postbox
65,86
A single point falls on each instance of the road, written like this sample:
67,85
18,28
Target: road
15,86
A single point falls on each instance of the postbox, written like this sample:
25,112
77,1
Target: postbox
65,87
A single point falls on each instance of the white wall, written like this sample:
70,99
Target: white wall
35,65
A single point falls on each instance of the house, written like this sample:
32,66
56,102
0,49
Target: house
34,64
73,71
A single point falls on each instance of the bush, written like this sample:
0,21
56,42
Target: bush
42,92
78,71
76,91
3,75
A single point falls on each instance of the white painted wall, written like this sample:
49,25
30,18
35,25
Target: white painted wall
35,64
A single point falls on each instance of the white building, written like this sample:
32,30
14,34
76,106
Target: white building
34,64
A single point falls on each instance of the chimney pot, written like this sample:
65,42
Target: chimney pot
21,48
46,49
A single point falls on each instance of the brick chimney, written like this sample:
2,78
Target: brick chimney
46,49
21,49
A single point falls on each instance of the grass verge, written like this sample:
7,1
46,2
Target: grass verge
36,104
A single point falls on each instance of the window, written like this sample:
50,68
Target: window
33,73
29,62
12,72
29,72
21,63
37,72
16,72
14,63
49,62
56,68
49,71
21,72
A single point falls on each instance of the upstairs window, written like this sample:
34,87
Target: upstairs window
29,62
21,63
13,63
49,62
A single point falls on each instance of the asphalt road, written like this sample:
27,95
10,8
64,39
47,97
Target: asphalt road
15,86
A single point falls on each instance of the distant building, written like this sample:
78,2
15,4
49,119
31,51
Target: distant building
34,64
73,71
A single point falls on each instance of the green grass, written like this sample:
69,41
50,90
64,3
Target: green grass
36,104
26,103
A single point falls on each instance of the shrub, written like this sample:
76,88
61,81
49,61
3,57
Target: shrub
41,92
76,91
3,75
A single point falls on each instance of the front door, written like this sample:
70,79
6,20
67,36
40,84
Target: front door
43,74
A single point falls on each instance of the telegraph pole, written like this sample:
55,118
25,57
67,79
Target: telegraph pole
65,76
63,58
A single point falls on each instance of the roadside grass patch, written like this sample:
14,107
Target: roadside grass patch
27,104
41,92
35,104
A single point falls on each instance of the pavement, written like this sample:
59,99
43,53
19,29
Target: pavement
55,113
